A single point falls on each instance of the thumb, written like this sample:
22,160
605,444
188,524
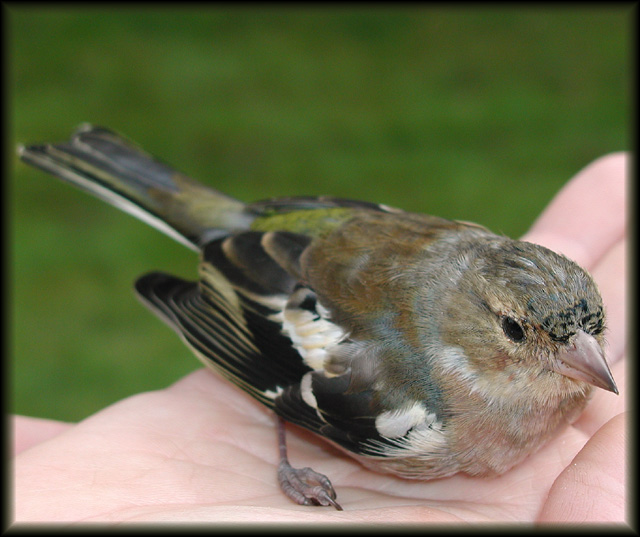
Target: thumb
592,487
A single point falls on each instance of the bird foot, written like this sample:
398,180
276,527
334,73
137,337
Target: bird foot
306,487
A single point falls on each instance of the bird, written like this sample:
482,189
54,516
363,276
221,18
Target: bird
421,346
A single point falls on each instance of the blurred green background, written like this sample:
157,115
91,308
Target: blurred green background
478,114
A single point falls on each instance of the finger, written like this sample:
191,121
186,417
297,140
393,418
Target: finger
591,488
28,432
610,274
588,215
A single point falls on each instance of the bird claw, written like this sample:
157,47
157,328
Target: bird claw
305,486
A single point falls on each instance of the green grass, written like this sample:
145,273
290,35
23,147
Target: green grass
478,114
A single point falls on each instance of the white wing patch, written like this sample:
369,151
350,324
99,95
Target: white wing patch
397,423
271,394
306,322
306,392
412,432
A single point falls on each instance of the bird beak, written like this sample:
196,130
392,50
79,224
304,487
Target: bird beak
585,360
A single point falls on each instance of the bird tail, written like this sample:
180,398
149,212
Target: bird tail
115,170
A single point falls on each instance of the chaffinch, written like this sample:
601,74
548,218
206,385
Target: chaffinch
422,346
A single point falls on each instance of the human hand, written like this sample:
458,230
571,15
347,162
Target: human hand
202,450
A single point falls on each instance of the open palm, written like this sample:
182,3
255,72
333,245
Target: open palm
201,450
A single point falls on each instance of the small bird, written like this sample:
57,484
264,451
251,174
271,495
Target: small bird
421,346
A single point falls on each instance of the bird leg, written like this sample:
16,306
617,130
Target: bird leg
303,485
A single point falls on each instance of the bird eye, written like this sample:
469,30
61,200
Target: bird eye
512,329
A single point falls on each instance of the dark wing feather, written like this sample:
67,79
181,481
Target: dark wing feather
243,346
228,257
261,263
230,318
347,418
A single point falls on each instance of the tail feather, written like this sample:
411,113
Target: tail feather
113,169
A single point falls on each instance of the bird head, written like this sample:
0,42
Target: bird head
530,318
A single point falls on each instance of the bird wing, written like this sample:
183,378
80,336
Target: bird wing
251,319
